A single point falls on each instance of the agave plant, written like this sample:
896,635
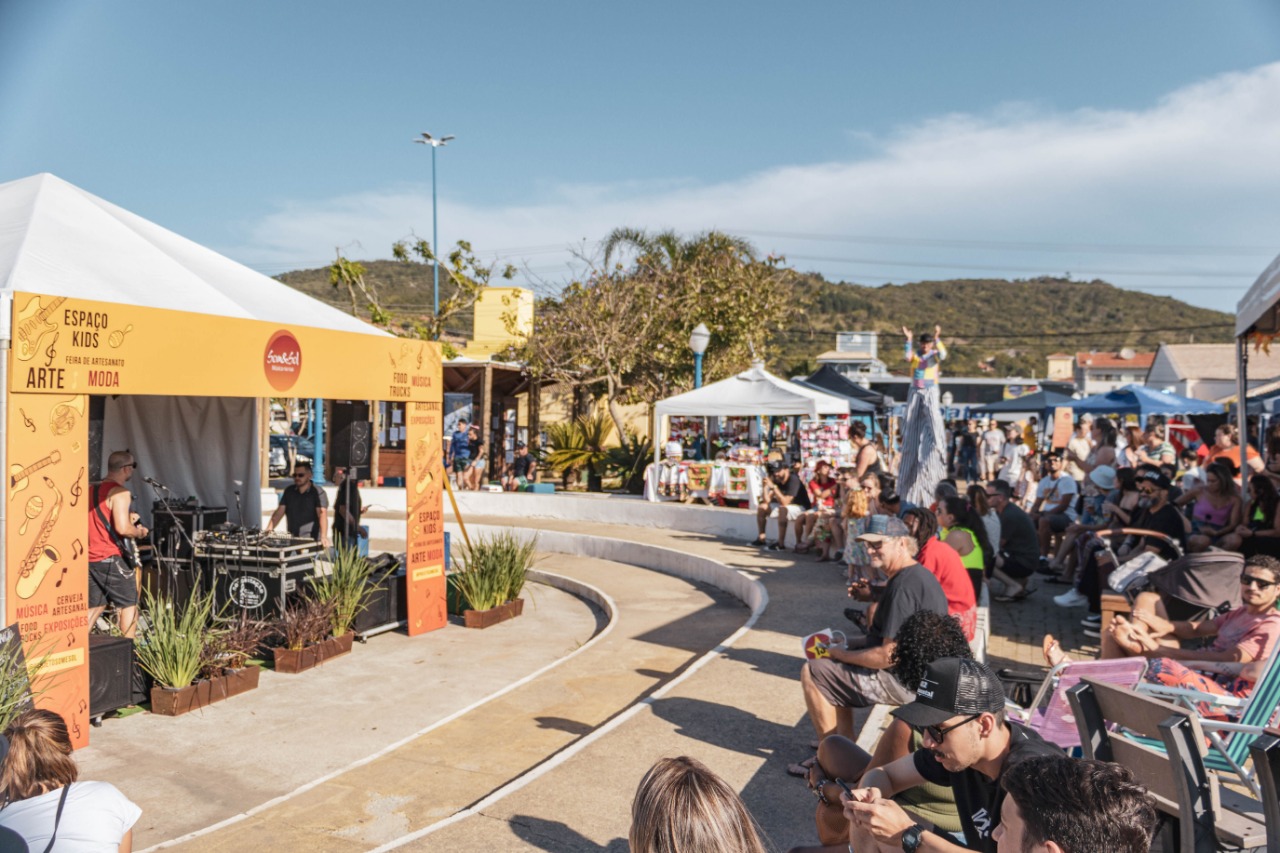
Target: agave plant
22,680
582,445
492,570
173,641
629,461
346,587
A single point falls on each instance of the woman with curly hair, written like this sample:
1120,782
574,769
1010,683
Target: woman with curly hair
44,803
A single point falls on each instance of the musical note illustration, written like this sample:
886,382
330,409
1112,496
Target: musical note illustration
63,417
76,490
50,353
35,506
83,706
75,729
26,421
116,338
71,639
62,576
76,549
19,474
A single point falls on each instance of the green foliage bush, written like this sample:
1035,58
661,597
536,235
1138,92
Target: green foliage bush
491,571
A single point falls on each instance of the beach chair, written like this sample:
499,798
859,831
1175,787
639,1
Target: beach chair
1231,739
1050,713
1121,725
1265,752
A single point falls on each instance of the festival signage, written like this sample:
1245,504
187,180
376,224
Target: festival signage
65,349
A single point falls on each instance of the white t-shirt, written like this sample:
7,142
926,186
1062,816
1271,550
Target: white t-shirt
1011,461
1052,491
1082,447
94,819
992,441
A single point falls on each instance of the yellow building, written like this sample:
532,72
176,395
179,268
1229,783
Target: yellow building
503,317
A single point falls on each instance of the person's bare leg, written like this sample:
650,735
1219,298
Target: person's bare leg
822,714
1011,583
862,841
1044,531
762,518
1152,603
94,614
128,621
784,522
844,722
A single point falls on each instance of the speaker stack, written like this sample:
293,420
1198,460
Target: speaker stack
351,441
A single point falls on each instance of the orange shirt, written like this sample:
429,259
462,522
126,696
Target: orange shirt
1231,454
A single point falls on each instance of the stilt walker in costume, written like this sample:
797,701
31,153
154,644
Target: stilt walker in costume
924,442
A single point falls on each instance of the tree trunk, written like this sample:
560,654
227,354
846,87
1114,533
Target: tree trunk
615,412
595,482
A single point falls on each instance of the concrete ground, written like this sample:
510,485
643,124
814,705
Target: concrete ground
566,735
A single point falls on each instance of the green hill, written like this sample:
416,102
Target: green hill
1008,325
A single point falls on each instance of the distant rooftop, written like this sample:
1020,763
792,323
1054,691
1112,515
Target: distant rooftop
1126,359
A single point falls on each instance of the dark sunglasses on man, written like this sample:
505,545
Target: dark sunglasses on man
1254,580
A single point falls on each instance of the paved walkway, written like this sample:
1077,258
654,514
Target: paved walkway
741,713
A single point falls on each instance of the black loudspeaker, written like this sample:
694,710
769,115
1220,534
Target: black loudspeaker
351,444
115,680
385,601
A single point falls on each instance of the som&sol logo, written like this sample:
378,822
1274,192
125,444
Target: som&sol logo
282,360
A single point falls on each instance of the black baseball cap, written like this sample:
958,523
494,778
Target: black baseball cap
1155,478
952,686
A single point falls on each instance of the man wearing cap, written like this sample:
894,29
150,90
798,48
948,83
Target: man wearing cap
858,677
967,746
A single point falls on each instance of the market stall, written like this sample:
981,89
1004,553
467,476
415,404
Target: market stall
178,348
750,395
1257,325
1141,401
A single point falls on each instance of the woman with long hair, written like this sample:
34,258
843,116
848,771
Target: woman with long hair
1217,510
962,529
1128,457
682,807
977,495
1260,532
43,801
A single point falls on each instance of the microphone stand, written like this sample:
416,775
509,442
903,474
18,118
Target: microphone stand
183,536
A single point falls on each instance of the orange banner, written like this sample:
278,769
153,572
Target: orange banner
75,346
47,571
424,571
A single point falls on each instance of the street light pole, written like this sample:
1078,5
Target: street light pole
698,340
428,139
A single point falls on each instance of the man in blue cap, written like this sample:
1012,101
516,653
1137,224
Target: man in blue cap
857,676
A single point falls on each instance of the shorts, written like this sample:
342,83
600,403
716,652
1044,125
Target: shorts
460,465
112,581
478,464
792,511
1058,521
848,686
1014,569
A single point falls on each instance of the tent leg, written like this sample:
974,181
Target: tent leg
1242,400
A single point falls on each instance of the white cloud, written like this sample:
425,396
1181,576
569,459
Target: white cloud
1197,169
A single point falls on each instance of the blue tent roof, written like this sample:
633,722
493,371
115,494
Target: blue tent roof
1041,401
1142,401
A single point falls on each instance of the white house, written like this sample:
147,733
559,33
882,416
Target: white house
1100,372
1208,371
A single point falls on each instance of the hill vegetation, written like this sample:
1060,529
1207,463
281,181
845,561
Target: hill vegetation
1008,326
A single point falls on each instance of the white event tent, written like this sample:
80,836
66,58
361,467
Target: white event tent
753,392
59,240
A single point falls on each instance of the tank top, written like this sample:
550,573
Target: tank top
875,467
1207,513
973,561
101,545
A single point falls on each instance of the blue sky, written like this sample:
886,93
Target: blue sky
872,142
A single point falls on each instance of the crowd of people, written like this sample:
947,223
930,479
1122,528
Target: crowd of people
469,466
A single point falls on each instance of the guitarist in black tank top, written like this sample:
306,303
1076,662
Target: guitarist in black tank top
112,576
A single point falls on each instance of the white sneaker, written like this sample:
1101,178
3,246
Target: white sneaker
1071,598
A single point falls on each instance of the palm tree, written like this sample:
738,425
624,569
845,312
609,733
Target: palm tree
581,444
668,251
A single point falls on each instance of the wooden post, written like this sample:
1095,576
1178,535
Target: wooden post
375,416
486,405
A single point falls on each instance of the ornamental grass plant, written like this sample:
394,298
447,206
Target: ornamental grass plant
345,587
172,641
20,680
492,570
304,622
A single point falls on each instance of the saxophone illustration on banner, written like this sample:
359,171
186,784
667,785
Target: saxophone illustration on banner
41,557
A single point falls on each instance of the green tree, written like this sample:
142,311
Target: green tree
467,273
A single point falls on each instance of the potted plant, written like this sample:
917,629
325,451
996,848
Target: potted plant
305,626
345,587
228,653
488,577
172,648
20,679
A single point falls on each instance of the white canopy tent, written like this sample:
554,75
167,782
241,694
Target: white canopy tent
59,240
753,392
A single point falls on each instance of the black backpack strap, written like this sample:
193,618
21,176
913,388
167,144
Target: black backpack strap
57,818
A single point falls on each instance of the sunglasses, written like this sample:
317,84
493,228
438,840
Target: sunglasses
300,476
937,733
1253,580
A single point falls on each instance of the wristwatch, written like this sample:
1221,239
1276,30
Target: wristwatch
911,839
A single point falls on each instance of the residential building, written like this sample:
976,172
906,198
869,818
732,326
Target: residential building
856,355
1062,367
503,318
1100,372
1208,371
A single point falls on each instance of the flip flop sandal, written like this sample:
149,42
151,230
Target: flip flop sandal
1017,596
801,770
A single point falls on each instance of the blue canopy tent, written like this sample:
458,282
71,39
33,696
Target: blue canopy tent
1142,401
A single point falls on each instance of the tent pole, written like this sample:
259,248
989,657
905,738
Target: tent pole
1242,401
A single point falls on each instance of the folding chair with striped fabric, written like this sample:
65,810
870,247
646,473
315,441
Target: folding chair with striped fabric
1231,740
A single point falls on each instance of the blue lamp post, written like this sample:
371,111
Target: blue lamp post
428,139
698,340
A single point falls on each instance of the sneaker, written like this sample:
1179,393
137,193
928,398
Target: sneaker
1096,633
1071,598
776,546
1092,621
1045,567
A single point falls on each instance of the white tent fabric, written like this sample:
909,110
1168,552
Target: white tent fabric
55,238
752,392
1261,298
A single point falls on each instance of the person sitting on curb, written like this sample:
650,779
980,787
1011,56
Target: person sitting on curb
858,676
786,499
1057,804
967,745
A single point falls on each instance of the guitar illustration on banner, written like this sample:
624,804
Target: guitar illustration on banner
31,325
19,475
